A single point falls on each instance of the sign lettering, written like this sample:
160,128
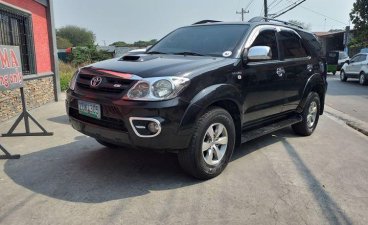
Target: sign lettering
11,75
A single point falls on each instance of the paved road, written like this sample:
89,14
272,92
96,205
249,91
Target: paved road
278,179
348,97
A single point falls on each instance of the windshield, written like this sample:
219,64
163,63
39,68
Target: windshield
213,40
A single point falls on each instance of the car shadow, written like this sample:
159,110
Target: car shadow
84,171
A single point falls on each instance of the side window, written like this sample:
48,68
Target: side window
291,45
354,59
268,38
362,58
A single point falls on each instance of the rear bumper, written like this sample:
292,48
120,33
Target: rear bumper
115,126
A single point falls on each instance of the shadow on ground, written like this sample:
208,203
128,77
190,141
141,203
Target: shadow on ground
84,171
59,119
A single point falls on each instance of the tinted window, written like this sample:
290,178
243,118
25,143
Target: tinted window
211,40
291,45
268,38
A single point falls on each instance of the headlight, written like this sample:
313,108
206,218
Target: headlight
157,88
162,88
73,81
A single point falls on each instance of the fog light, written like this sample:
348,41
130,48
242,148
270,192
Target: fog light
153,127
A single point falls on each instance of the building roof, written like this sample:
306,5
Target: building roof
325,34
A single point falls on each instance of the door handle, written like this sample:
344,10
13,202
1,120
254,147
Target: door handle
280,71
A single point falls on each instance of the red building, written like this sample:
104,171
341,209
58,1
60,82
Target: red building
29,24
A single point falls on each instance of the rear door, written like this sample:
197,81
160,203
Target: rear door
298,66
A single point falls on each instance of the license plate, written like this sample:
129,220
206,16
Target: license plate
89,109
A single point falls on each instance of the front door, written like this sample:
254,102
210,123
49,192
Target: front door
262,82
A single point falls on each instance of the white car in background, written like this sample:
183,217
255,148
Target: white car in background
357,67
343,58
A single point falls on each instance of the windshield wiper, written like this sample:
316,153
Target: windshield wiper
187,53
156,52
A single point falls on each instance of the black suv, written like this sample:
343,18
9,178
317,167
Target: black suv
202,90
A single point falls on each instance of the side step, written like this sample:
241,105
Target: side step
258,132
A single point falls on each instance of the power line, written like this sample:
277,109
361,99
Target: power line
250,2
289,8
318,13
276,4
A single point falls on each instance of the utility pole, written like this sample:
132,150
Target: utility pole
265,8
242,13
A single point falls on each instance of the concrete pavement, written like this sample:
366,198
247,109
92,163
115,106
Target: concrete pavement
277,179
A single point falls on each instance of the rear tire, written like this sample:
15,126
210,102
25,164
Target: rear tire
362,79
310,116
107,144
343,76
212,145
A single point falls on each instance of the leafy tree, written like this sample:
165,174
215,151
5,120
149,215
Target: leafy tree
139,44
120,44
86,55
359,17
63,43
306,26
78,36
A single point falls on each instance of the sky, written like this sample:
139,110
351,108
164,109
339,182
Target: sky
133,20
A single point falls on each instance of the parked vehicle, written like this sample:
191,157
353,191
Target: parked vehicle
335,61
357,67
202,90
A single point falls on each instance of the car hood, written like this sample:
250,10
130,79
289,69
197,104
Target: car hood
146,66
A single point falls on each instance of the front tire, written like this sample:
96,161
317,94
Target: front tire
212,145
310,116
362,79
343,76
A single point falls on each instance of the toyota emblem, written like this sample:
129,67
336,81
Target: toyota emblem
96,81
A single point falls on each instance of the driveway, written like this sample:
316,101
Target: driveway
277,179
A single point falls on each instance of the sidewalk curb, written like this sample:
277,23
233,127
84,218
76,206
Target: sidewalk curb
352,122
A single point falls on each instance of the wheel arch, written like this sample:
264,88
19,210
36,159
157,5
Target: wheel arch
225,96
314,84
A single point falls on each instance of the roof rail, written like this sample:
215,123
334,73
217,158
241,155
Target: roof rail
265,19
206,21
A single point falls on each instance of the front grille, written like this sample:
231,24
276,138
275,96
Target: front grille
107,122
108,84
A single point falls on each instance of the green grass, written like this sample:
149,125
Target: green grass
66,72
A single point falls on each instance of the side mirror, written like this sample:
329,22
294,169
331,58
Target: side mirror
347,61
258,53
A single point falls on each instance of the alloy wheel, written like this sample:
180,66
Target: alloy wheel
312,114
214,143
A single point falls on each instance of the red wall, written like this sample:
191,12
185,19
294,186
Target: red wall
40,32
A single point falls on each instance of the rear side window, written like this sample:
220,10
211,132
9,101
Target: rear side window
291,45
362,58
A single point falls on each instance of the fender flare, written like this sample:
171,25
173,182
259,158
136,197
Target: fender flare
207,97
318,84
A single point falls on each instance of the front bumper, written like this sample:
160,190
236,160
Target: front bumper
115,127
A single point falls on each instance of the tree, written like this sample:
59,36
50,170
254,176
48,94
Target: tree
359,17
63,43
120,44
306,26
139,44
78,36
86,55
